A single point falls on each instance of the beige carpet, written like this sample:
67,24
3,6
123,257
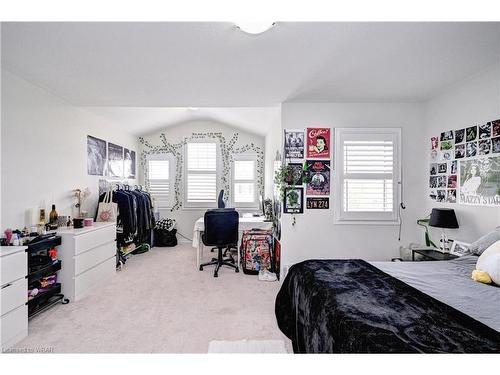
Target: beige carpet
160,303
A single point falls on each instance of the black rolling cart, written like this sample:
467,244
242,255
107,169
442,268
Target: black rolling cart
43,266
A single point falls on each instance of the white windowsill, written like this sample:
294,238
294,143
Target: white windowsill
366,222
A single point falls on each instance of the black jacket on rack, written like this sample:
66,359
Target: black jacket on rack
135,220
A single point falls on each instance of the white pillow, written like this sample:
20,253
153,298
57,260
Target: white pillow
489,261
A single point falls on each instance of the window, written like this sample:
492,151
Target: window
201,174
159,180
368,173
244,184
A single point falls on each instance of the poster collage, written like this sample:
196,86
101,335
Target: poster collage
465,165
107,159
313,145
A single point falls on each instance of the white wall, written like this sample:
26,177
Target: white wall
186,217
315,235
273,143
473,101
44,150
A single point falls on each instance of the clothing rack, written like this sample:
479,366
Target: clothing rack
135,221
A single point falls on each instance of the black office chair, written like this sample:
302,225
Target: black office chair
220,200
222,204
221,230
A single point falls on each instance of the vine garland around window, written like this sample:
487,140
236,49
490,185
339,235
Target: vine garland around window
227,150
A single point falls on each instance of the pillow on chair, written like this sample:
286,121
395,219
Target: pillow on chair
489,262
484,242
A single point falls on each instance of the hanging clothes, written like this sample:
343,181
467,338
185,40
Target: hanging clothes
135,220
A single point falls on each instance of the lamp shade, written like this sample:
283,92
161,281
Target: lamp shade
443,218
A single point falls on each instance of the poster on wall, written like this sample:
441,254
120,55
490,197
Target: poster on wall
115,160
294,144
480,181
96,156
128,163
294,200
318,177
318,143
294,177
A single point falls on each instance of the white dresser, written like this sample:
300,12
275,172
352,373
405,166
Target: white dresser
13,295
88,258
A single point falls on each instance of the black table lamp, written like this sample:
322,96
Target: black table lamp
443,218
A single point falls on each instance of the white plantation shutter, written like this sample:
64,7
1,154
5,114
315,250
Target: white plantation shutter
368,174
159,181
244,186
201,178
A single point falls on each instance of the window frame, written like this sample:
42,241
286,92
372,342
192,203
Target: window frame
366,217
218,168
255,203
171,171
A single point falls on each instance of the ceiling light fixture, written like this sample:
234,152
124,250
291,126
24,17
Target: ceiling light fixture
193,108
254,27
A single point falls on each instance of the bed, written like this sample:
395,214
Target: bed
352,306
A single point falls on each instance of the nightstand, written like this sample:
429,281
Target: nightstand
431,254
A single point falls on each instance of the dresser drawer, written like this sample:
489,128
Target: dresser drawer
14,267
93,277
85,261
14,326
96,238
13,295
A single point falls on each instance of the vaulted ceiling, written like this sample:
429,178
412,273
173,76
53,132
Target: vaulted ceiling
216,65
141,73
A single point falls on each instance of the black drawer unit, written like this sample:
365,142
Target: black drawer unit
40,266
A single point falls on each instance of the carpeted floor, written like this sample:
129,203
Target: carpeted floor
160,303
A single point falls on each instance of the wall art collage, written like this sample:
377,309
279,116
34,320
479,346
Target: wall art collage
314,172
108,159
228,149
465,165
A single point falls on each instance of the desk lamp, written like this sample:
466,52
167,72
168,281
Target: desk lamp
443,218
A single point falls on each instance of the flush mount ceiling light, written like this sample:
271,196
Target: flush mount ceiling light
254,27
194,108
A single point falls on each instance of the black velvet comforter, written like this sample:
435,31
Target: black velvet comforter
350,306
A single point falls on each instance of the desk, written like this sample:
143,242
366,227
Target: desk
245,223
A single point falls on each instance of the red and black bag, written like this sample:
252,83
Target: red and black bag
256,251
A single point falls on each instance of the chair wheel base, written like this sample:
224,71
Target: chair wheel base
201,268
216,275
237,270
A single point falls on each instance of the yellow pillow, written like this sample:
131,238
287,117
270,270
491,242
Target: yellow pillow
481,276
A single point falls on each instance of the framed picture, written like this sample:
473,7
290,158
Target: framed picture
294,200
294,177
459,248
96,156
115,160
318,143
128,163
294,144
318,177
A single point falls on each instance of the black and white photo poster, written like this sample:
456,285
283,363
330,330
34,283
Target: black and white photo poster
96,156
115,160
294,144
480,181
128,163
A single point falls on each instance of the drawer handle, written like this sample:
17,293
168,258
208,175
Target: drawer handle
6,285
